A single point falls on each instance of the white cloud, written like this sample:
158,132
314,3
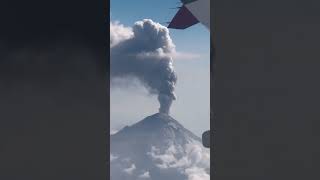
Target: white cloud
119,33
193,162
145,175
196,173
113,157
130,169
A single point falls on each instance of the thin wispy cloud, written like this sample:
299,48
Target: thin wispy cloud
186,56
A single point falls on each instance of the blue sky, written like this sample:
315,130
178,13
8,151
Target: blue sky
192,106
130,11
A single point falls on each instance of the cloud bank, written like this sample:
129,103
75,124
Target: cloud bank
194,163
188,162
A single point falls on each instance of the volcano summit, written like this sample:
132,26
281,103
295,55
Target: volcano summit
157,148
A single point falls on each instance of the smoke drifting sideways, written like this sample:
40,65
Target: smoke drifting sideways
144,52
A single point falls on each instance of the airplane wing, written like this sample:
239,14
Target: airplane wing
201,10
191,13
183,19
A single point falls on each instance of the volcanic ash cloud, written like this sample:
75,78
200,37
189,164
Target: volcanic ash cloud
144,52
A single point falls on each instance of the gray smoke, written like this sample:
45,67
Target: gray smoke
144,52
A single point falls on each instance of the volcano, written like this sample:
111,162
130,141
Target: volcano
158,147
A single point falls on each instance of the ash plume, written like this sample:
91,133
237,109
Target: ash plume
144,52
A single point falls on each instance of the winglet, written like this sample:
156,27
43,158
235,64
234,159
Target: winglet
187,1
183,19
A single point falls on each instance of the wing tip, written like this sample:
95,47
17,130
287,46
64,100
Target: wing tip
183,19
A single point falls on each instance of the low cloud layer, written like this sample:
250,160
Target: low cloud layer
194,162
144,52
189,162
